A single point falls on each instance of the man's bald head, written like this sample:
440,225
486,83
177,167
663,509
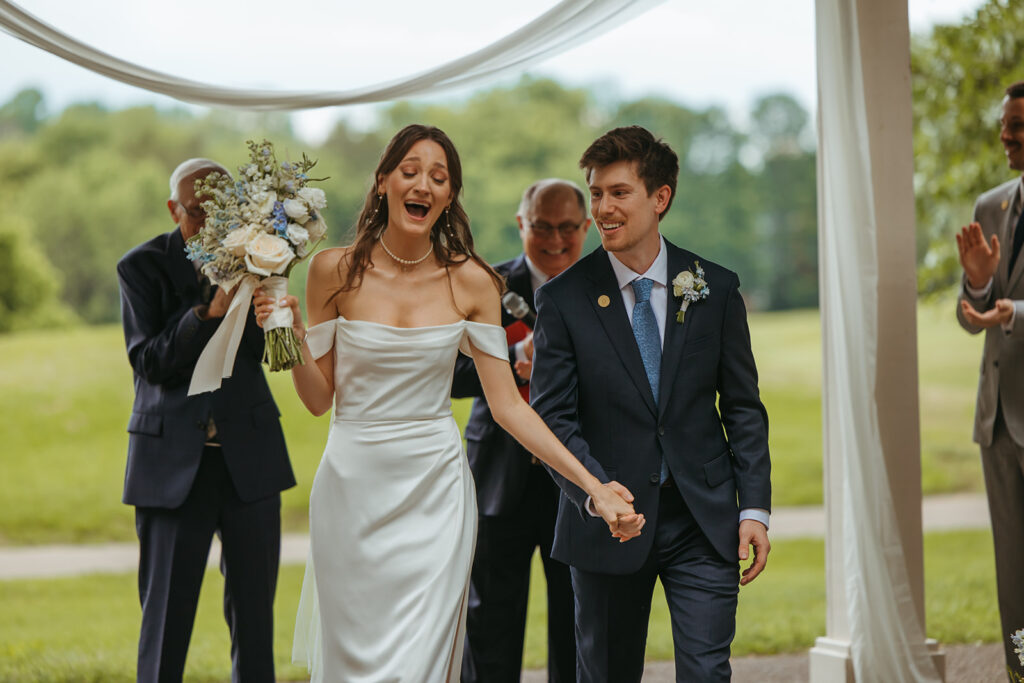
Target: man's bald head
553,224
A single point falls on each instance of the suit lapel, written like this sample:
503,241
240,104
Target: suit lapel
675,333
1006,239
615,321
519,281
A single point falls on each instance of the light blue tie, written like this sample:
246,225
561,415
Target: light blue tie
645,329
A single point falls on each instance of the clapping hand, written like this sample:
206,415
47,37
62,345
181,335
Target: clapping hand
614,503
978,258
997,315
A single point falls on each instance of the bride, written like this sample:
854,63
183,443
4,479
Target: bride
392,508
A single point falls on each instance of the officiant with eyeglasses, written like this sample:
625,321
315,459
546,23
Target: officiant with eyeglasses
516,498
213,463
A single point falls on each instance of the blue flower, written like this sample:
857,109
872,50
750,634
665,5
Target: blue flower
280,219
195,252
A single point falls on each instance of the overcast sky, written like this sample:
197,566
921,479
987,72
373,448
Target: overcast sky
696,52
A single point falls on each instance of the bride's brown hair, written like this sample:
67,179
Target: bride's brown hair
450,235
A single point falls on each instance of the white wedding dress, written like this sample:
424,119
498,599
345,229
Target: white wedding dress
392,511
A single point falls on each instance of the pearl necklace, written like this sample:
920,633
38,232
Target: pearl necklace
405,261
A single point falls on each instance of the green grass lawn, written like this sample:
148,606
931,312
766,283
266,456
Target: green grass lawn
65,398
85,629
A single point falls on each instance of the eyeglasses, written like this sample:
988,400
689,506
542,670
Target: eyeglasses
194,212
542,229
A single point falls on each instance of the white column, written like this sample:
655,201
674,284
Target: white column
874,567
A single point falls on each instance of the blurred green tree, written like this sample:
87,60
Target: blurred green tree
959,75
29,284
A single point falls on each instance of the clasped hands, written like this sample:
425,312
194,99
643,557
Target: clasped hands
979,260
614,503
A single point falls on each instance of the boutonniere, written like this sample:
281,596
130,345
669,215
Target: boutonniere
690,287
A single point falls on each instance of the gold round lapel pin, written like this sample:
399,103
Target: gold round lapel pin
1005,204
603,301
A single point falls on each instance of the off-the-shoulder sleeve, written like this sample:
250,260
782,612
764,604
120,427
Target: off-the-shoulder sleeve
490,339
321,337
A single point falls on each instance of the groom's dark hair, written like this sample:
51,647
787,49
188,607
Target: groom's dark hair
655,162
1015,90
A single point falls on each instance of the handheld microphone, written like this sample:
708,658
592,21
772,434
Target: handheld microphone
518,308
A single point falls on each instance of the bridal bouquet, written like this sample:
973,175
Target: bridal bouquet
1018,641
257,228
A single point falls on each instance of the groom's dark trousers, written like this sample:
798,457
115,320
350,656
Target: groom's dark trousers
709,426
517,503
189,479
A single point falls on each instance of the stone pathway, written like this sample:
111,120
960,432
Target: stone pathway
964,663
939,513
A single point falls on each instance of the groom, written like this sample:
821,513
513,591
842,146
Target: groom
632,389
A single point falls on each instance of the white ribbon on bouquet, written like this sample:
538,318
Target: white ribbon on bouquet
217,360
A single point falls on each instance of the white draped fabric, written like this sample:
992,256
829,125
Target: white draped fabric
886,637
568,23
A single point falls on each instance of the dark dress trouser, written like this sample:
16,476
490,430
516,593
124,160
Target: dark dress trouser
499,590
613,611
1003,466
174,545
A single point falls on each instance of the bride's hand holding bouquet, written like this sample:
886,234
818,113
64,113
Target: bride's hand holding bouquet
257,229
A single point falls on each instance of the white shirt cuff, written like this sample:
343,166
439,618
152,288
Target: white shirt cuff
978,293
756,514
520,354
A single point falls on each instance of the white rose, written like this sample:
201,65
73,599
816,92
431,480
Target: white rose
296,210
264,202
236,240
682,282
316,229
267,254
314,197
297,234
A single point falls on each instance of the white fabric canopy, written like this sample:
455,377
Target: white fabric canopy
886,638
568,23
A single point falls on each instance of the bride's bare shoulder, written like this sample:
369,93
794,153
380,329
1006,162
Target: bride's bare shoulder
477,292
328,264
470,276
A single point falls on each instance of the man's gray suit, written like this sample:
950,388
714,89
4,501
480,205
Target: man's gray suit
999,416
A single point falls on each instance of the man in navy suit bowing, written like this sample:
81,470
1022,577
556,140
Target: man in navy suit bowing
635,346
198,465
516,498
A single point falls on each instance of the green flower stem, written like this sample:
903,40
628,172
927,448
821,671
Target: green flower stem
281,350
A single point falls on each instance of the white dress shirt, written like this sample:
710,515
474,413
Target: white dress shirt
658,273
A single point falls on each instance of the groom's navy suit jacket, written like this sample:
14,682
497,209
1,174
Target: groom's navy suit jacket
167,428
708,423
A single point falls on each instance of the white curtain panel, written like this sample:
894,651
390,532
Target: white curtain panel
887,639
568,23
